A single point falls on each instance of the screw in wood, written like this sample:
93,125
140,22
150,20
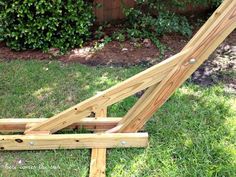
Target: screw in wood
123,143
31,143
192,61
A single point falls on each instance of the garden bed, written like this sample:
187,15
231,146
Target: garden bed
114,53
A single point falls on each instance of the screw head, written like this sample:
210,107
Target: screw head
31,143
192,61
123,142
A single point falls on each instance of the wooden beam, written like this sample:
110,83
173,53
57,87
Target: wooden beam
73,141
98,156
8,125
123,90
222,24
98,163
191,43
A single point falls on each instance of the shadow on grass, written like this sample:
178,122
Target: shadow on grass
192,135
42,89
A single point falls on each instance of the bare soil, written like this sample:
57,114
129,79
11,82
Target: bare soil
220,67
114,53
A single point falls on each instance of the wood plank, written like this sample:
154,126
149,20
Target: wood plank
98,156
123,90
191,43
223,25
99,8
98,163
73,141
20,124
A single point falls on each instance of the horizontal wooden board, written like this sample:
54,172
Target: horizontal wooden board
20,124
73,141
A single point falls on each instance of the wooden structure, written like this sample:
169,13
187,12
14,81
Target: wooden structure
160,81
107,10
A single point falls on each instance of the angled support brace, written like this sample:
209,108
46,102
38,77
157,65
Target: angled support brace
217,28
199,48
161,80
123,90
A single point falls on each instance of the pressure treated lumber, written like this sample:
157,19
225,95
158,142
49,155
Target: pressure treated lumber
72,141
91,105
222,24
127,88
98,155
98,163
191,43
161,81
8,125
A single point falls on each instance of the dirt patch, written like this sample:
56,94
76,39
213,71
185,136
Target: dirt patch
7,53
220,67
114,53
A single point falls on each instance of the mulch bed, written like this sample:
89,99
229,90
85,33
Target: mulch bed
114,53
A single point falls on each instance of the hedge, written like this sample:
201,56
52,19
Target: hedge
44,24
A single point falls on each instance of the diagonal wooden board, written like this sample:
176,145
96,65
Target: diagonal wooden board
220,25
123,90
152,76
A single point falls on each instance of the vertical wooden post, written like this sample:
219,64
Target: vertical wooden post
98,10
98,156
107,10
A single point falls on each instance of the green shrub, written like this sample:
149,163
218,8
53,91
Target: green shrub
143,23
164,4
42,24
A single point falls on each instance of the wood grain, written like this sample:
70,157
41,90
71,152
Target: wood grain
98,156
222,23
72,141
216,30
115,94
10,125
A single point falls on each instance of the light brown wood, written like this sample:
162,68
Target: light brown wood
123,90
222,24
73,141
145,79
191,43
101,113
98,156
98,163
10,125
162,80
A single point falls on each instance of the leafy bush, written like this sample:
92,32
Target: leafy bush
42,24
143,23
163,5
165,22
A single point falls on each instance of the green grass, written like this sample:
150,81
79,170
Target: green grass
193,134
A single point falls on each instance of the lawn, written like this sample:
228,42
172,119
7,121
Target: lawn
193,134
